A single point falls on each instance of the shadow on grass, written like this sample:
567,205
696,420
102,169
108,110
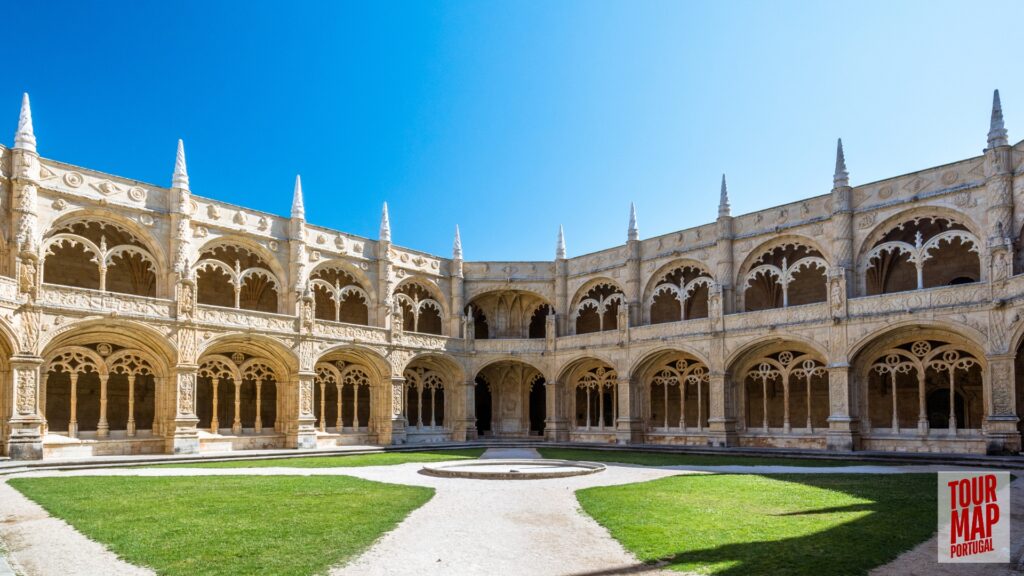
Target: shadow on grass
895,514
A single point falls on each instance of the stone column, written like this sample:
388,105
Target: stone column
556,427
628,426
103,428
468,428
843,434
185,436
721,422
397,402
26,424
1000,423
302,430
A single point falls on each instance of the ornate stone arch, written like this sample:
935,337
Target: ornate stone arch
894,371
674,390
266,270
144,235
107,376
380,368
126,333
282,359
219,366
595,306
103,251
415,307
682,290
588,387
768,377
339,295
769,268
960,232
508,313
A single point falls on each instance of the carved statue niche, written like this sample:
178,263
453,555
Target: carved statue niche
28,276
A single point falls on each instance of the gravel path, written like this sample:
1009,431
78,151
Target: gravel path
470,527
474,527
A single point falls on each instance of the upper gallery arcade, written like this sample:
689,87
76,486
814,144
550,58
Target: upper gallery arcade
137,318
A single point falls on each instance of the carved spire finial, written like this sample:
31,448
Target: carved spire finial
723,200
180,178
298,208
385,224
25,138
996,129
457,247
841,177
560,246
633,233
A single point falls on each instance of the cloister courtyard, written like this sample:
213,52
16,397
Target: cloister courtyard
357,513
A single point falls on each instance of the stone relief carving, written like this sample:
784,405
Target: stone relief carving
26,392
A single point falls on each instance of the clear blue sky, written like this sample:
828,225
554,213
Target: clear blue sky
509,118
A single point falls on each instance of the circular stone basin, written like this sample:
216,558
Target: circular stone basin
535,469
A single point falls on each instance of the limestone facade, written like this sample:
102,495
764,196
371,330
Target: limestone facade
137,318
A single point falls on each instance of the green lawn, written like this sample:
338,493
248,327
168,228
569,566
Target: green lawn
187,526
783,524
656,459
382,459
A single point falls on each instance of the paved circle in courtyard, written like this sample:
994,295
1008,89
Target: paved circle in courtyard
532,469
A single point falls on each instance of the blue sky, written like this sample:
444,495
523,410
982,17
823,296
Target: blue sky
510,118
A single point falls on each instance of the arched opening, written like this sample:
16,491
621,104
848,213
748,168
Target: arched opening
430,399
99,390
905,379
790,274
509,314
677,394
538,321
597,310
234,277
339,297
424,399
681,294
923,252
481,328
420,311
346,388
503,399
236,394
595,398
99,256
784,394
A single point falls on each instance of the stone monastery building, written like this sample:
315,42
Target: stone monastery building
139,319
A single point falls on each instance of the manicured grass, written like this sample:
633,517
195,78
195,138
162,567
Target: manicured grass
655,459
783,524
228,524
382,459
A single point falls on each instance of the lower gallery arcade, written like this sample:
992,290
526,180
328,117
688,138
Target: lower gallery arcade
110,387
